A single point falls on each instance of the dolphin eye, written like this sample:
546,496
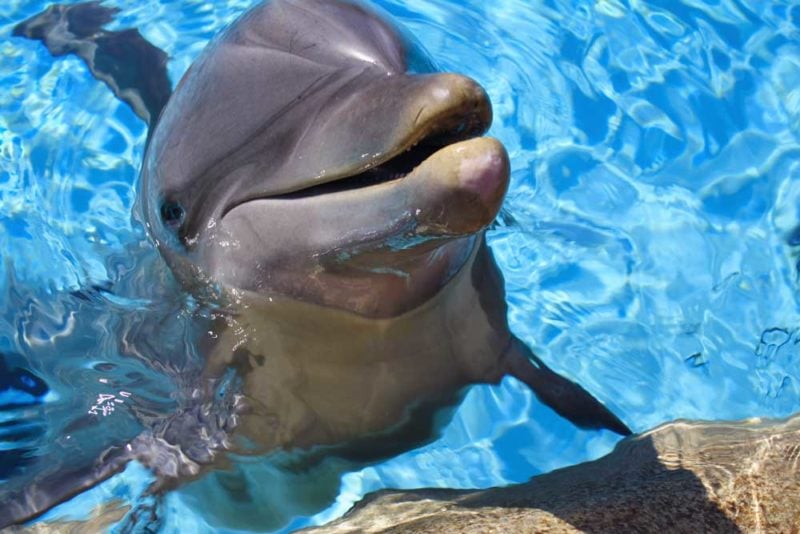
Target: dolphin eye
172,213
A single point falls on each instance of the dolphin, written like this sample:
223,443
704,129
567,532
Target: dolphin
326,191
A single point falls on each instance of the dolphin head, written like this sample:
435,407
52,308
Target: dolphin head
312,153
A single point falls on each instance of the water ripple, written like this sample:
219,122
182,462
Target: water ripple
648,241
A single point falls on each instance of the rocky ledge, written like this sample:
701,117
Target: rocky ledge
680,477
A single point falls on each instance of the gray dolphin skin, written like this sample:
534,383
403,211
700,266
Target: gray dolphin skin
316,181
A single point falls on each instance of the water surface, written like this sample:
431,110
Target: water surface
649,239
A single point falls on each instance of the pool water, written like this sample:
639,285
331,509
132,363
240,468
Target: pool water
649,240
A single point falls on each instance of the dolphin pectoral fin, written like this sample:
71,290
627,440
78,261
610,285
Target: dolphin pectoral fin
564,396
134,69
55,487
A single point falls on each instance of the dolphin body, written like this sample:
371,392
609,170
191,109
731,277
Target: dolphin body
315,180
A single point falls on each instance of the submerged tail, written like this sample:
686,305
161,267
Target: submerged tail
564,396
134,69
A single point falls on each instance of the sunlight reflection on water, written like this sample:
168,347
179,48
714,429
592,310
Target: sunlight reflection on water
644,241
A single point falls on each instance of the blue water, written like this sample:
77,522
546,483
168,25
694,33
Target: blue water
649,240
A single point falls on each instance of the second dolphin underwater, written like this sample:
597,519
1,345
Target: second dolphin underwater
313,179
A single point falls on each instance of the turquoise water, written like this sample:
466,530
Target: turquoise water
649,239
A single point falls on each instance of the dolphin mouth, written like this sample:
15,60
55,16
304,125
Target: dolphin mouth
465,115
391,170
404,160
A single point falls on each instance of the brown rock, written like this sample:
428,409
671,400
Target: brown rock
684,476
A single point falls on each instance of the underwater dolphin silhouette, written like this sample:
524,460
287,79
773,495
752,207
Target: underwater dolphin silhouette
327,191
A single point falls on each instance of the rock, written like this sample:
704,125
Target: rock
680,477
